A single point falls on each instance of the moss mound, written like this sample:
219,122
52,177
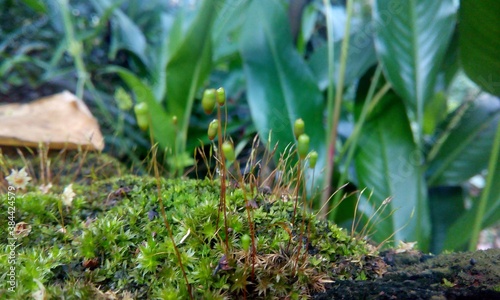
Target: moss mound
113,243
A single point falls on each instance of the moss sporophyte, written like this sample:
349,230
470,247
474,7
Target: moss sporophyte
208,101
213,129
298,128
142,115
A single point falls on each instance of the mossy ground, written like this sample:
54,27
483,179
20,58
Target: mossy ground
112,242
414,275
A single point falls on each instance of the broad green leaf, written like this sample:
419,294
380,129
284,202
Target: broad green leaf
492,216
37,5
163,128
361,56
280,86
309,19
188,66
125,34
158,55
479,42
55,15
451,64
388,163
461,231
434,113
463,145
227,29
411,38
445,203
183,22
489,192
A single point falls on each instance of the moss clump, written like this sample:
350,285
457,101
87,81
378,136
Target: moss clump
113,241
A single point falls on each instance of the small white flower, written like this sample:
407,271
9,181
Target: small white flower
45,188
18,179
22,229
68,195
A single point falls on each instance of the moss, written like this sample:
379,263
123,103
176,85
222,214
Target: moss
113,241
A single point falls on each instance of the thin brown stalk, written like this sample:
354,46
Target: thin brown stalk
223,174
249,215
163,213
80,164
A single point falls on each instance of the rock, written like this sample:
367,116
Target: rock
444,276
60,121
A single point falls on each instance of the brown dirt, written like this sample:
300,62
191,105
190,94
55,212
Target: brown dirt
413,275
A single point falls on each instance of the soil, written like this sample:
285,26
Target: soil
413,275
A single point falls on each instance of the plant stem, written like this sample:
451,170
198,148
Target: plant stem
223,173
303,226
297,188
167,225
74,48
370,103
330,105
309,220
162,207
250,224
492,168
334,114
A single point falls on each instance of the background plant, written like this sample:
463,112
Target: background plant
395,143
36,63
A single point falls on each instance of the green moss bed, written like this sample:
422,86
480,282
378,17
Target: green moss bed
113,243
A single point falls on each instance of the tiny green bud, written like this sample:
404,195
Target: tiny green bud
174,120
123,99
75,48
141,114
303,145
228,149
208,101
245,242
298,128
212,129
221,96
313,158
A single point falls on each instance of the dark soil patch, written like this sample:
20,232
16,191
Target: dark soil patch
413,275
